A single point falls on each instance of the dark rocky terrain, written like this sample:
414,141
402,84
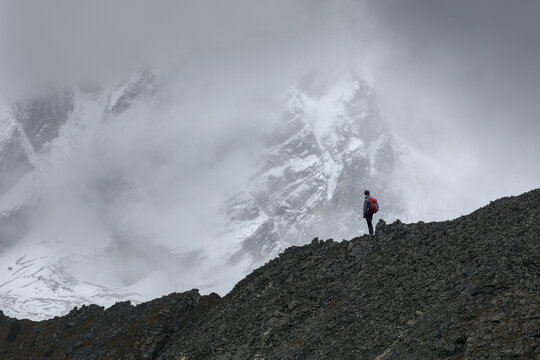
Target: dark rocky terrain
462,289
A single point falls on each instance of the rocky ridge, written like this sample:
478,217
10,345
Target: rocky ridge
462,289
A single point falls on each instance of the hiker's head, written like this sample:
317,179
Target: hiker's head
366,192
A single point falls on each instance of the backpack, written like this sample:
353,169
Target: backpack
373,205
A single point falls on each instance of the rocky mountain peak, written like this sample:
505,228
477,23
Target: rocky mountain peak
330,145
138,85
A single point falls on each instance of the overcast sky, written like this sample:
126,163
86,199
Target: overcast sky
464,75
456,79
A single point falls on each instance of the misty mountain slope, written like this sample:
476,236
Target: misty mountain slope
106,174
40,286
466,288
42,116
27,129
38,135
14,157
331,145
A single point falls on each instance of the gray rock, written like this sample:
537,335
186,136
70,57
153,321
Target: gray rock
42,116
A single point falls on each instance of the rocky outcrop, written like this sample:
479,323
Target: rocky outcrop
42,116
462,289
139,84
120,332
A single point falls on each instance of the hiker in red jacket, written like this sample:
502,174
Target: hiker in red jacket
370,207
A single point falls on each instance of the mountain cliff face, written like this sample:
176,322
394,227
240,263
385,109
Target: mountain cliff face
467,288
26,132
329,144
316,167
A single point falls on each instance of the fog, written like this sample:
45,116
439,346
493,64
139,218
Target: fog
457,83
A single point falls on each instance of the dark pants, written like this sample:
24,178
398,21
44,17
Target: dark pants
369,217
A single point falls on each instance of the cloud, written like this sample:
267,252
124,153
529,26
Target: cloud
79,39
458,80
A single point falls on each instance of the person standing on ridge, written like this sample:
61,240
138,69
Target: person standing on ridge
371,206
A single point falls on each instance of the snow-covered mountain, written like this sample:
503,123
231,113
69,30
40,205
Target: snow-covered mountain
40,286
35,134
329,147
26,132
328,144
